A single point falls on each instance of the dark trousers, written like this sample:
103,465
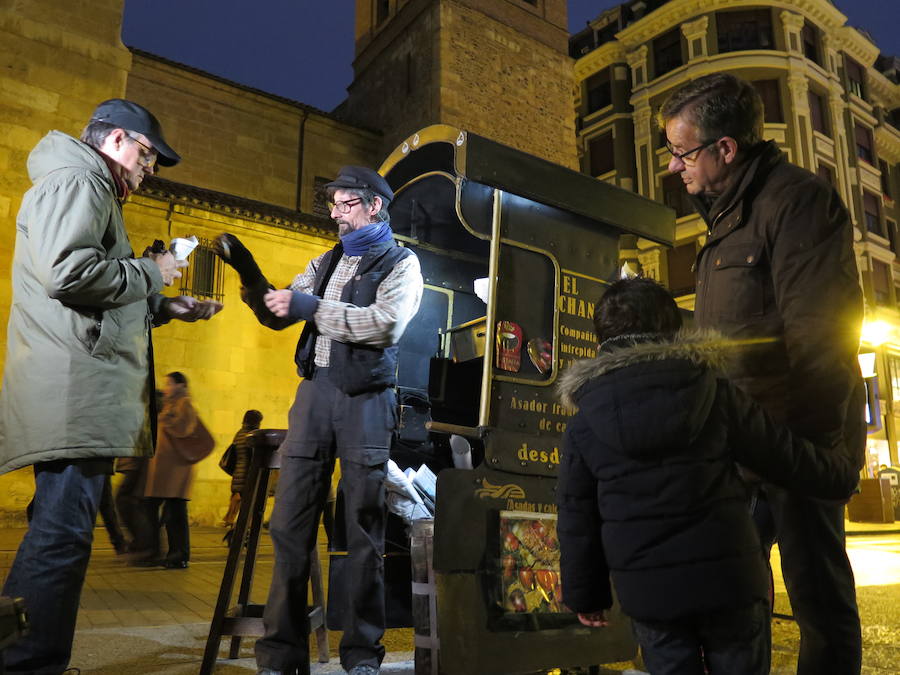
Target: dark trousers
50,565
727,642
175,518
132,510
819,582
324,422
110,517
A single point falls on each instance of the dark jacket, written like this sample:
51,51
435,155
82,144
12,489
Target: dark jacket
243,453
354,368
649,491
779,264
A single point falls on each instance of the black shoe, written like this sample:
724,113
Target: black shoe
175,564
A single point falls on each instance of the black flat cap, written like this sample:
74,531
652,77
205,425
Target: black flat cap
133,117
362,178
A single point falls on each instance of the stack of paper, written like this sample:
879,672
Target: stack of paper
403,497
425,483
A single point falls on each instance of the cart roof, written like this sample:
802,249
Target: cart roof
451,150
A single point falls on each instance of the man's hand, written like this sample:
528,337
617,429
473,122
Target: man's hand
594,619
167,264
186,308
278,302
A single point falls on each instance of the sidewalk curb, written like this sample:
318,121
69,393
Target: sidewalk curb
869,533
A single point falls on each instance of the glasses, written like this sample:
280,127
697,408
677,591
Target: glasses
147,155
686,156
345,206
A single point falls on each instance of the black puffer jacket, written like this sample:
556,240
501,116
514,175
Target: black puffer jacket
649,492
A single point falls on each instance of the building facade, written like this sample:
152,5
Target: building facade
832,105
499,68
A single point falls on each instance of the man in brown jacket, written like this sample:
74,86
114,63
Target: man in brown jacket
778,270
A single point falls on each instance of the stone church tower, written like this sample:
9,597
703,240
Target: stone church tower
499,68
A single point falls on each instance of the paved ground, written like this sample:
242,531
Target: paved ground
152,621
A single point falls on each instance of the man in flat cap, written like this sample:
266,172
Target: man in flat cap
77,385
357,300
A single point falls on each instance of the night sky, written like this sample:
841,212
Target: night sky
303,49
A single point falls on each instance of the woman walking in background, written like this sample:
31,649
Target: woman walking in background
181,442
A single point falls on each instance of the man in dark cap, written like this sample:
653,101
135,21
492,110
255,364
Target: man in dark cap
357,300
77,383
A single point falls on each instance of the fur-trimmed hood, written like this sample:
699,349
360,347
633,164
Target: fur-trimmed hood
701,347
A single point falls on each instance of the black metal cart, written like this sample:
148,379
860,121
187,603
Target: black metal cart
545,241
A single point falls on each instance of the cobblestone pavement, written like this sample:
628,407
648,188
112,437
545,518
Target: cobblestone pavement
151,621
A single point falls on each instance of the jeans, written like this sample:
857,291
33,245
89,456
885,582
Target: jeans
726,642
50,565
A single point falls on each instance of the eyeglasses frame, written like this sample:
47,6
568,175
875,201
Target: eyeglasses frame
345,206
683,156
148,157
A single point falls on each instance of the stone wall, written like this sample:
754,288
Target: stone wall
499,83
241,141
394,86
496,68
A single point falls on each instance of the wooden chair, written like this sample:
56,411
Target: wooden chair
244,619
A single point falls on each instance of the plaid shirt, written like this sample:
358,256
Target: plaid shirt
380,324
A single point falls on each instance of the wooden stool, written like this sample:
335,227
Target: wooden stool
244,619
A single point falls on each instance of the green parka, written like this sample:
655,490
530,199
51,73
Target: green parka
76,380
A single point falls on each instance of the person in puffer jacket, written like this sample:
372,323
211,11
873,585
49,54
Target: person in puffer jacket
650,495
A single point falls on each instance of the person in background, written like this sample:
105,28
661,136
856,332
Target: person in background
661,508
243,452
778,272
356,300
76,383
170,476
